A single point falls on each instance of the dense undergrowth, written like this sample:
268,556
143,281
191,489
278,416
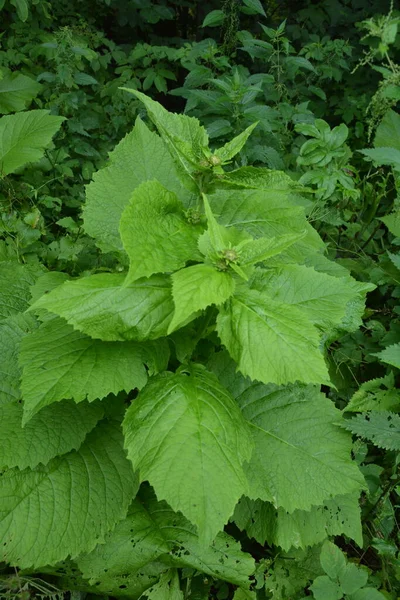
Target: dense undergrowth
199,300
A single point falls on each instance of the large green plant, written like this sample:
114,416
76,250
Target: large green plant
195,366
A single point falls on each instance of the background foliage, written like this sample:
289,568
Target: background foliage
322,82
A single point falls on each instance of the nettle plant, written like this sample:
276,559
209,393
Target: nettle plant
181,391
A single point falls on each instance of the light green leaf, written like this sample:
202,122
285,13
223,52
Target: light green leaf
15,282
24,136
388,131
384,156
263,522
261,249
332,560
153,535
375,394
390,355
59,362
185,434
186,139
270,341
217,234
102,306
293,466
230,149
214,18
392,222
258,178
77,498
381,428
155,233
324,588
197,287
368,593
322,298
267,213
353,578
57,429
16,92
12,330
166,589
140,156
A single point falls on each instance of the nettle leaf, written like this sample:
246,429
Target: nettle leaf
388,131
233,147
263,522
322,298
140,156
24,136
375,394
77,498
12,330
59,362
301,457
16,92
392,222
381,428
15,282
261,249
186,139
267,213
270,341
258,178
190,410
105,307
153,535
57,429
324,588
155,233
390,355
197,287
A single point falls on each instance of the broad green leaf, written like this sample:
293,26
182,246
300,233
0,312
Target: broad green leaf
186,139
267,213
390,355
384,156
381,428
291,573
230,149
16,92
368,593
23,138
262,249
395,258
140,156
104,307
353,578
270,341
388,131
57,429
22,8
333,560
45,283
258,178
185,434
155,233
15,281
12,330
296,466
59,362
167,588
66,507
153,535
323,588
392,222
214,18
321,297
375,394
195,288
263,522
255,6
